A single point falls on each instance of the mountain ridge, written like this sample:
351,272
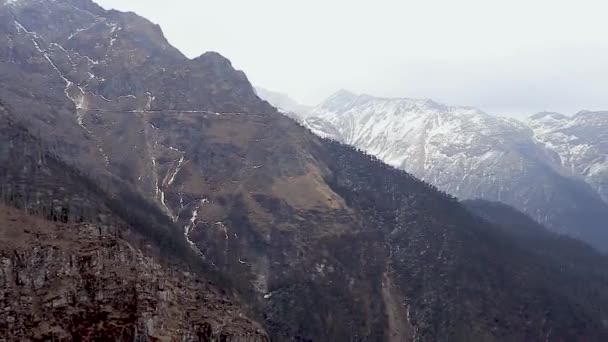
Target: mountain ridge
469,154
319,240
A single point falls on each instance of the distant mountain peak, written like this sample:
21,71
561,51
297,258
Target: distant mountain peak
214,56
343,93
344,100
466,152
283,102
551,115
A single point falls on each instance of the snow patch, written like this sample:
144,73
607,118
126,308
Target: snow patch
188,228
83,29
177,169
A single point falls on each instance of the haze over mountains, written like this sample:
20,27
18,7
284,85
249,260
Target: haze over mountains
147,196
539,166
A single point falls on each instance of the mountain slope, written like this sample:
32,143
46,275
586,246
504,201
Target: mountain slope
469,154
537,239
76,265
581,142
321,242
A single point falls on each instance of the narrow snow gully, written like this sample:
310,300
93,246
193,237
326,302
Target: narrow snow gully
174,173
75,93
190,226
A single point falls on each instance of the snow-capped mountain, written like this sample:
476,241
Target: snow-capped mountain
580,141
283,102
467,153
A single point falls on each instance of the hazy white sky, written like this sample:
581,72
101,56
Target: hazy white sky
511,57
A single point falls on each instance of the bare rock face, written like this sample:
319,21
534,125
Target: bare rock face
66,282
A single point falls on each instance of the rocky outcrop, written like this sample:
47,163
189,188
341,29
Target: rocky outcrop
73,282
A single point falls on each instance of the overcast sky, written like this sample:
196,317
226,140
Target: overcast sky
511,57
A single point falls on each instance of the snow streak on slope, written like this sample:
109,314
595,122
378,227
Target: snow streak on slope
581,142
192,223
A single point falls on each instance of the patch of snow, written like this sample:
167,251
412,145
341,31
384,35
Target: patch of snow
188,228
151,99
79,99
177,169
82,30
89,60
104,98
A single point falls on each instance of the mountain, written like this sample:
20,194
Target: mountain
310,238
282,101
581,142
537,239
470,154
77,264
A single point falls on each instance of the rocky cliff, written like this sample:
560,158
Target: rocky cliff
84,282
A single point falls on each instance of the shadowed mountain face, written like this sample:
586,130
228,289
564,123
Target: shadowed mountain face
471,154
320,241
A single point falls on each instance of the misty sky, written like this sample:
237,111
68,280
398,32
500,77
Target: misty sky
512,57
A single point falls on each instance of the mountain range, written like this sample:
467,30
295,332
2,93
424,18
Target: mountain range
147,196
552,167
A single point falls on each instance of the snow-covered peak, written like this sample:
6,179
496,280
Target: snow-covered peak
345,101
342,95
471,154
399,130
548,116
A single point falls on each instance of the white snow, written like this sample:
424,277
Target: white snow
83,29
14,2
188,228
576,141
176,171
79,99
151,99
